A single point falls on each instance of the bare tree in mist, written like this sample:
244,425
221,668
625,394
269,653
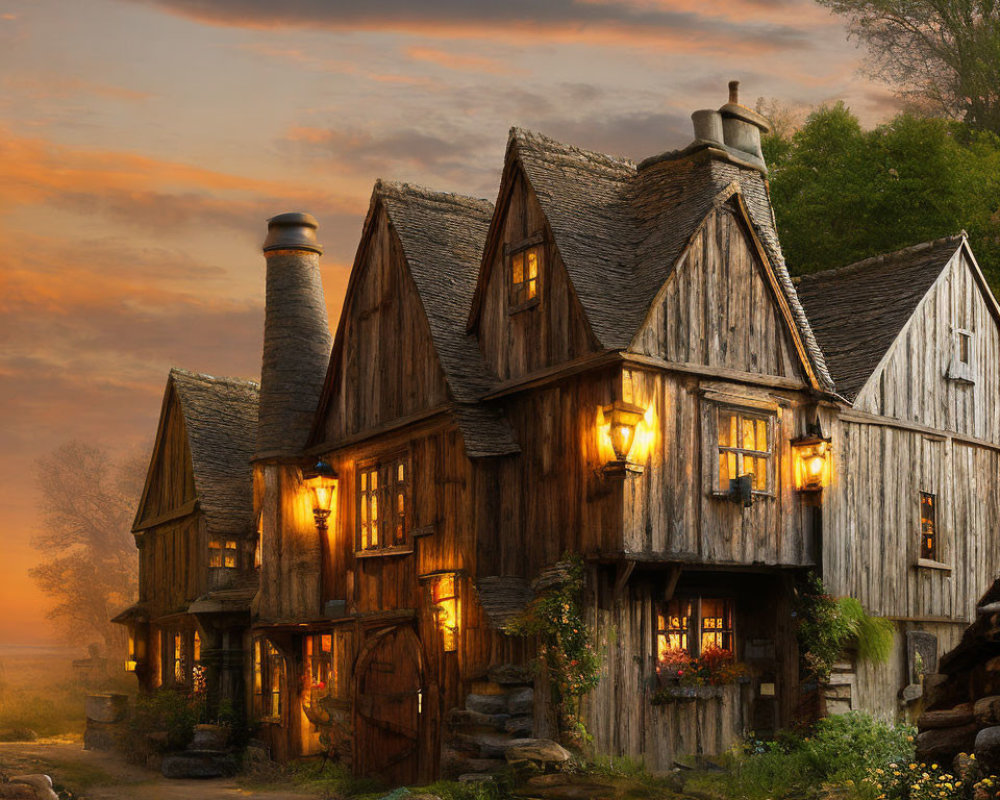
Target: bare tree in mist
89,567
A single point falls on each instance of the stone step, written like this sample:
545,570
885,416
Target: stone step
486,703
468,721
481,745
511,675
487,687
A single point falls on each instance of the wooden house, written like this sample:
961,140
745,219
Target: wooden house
613,362
195,534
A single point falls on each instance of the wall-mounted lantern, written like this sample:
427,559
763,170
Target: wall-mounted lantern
620,421
812,462
322,483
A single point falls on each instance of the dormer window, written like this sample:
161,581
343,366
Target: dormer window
524,270
222,553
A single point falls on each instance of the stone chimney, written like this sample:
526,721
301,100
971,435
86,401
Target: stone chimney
734,127
297,337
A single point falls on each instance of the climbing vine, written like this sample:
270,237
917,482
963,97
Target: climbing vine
566,653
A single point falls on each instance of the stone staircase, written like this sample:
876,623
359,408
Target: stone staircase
498,712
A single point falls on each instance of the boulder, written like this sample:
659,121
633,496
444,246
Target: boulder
464,718
210,737
521,701
542,753
195,765
511,675
988,749
962,714
487,703
106,707
40,785
987,710
939,692
943,744
520,727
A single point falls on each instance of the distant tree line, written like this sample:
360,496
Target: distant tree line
842,193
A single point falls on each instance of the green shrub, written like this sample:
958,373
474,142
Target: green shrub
168,712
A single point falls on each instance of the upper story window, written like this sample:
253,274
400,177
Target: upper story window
745,445
383,511
960,368
222,553
929,544
524,271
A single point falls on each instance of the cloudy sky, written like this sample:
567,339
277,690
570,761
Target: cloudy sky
143,143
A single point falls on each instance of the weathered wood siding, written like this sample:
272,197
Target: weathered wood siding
552,332
384,365
619,713
871,534
171,482
174,570
911,384
718,309
552,498
670,510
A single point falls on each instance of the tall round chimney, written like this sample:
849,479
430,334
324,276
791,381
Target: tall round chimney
297,337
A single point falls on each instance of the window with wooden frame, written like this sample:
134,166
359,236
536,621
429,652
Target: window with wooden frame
268,679
691,625
383,511
744,445
222,554
960,368
444,594
525,262
320,677
929,544
179,659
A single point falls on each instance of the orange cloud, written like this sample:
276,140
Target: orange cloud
463,63
59,87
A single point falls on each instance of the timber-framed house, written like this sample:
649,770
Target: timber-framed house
612,361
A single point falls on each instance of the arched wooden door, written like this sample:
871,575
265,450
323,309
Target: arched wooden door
389,700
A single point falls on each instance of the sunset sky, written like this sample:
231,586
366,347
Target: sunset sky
143,144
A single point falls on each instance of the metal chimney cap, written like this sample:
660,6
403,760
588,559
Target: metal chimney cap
292,231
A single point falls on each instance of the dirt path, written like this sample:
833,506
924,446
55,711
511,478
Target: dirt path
104,776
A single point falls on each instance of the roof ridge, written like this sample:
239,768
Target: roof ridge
406,189
517,134
206,378
883,258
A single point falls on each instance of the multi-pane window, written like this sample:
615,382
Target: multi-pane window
928,527
745,446
222,553
445,597
691,625
268,678
525,271
180,666
383,504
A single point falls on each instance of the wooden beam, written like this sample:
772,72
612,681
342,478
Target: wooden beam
549,375
675,575
939,434
623,570
175,513
704,371
381,430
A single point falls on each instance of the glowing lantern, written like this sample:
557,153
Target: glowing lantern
322,482
812,458
620,423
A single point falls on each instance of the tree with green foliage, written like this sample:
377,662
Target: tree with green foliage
945,54
841,193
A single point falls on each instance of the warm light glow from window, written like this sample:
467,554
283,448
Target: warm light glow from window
445,598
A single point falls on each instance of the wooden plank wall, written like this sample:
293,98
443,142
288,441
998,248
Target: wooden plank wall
554,331
619,713
912,386
174,568
551,498
670,509
172,480
387,366
717,310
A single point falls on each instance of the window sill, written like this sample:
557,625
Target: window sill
717,495
385,551
926,563
533,303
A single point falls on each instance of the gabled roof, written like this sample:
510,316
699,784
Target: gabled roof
442,237
620,227
220,421
857,311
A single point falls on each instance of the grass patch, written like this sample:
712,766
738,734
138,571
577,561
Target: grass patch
840,751
310,775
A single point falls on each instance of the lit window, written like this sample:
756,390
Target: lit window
320,676
179,660
690,626
268,678
445,598
525,271
197,648
383,505
928,527
222,554
745,447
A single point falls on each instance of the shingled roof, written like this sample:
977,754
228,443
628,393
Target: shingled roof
620,227
857,311
442,236
220,419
